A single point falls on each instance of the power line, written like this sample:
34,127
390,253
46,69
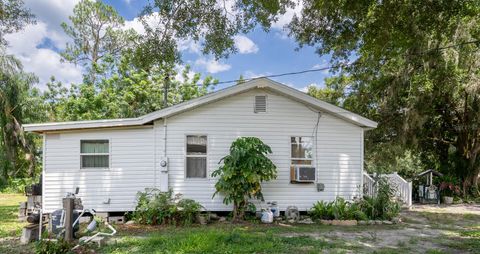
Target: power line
338,65
286,73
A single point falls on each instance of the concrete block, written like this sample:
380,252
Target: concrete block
99,240
344,222
362,222
116,219
30,233
326,222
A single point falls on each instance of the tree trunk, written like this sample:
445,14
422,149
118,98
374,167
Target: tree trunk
474,181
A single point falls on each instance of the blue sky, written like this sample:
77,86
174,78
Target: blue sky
260,53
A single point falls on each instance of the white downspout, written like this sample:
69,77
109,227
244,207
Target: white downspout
155,161
40,225
362,161
44,159
165,137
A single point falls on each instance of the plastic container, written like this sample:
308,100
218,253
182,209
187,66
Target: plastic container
274,208
267,216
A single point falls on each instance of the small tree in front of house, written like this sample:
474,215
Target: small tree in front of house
242,173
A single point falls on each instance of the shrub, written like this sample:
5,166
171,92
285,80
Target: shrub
383,205
17,185
322,211
449,186
155,207
188,209
242,173
338,210
53,247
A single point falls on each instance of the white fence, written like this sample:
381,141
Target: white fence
403,189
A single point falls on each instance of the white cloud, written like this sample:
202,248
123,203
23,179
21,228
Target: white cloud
45,62
285,19
304,89
321,66
53,13
251,74
180,69
190,46
212,65
134,24
245,45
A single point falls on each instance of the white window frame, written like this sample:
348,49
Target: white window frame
186,155
255,104
302,159
103,154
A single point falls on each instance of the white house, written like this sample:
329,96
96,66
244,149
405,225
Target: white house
317,148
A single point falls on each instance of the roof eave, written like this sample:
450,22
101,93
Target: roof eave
48,127
209,98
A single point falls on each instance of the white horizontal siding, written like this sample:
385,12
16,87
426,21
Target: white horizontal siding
339,156
131,169
136,152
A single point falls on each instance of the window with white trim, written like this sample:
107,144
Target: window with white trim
301,151
196,156
94,153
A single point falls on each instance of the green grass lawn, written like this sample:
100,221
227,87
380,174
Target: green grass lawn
9,224
235,239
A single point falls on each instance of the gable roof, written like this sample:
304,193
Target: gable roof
262,83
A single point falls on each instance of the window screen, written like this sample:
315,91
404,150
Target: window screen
94,154
301,150
196,157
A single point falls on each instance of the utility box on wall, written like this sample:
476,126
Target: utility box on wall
163,174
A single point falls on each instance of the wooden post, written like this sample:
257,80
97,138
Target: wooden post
68,207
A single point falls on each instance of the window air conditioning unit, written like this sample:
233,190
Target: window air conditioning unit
304,174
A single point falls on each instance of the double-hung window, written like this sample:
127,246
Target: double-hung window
301,151
94,154
196,156
302,167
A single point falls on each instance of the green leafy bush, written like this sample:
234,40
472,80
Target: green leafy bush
449,186
53,247
17,185
155,207
243,171
322,211
188,209
338,210
382,206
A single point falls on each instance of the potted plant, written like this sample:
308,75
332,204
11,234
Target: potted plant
449,188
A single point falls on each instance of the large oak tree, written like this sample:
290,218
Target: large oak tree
415,69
